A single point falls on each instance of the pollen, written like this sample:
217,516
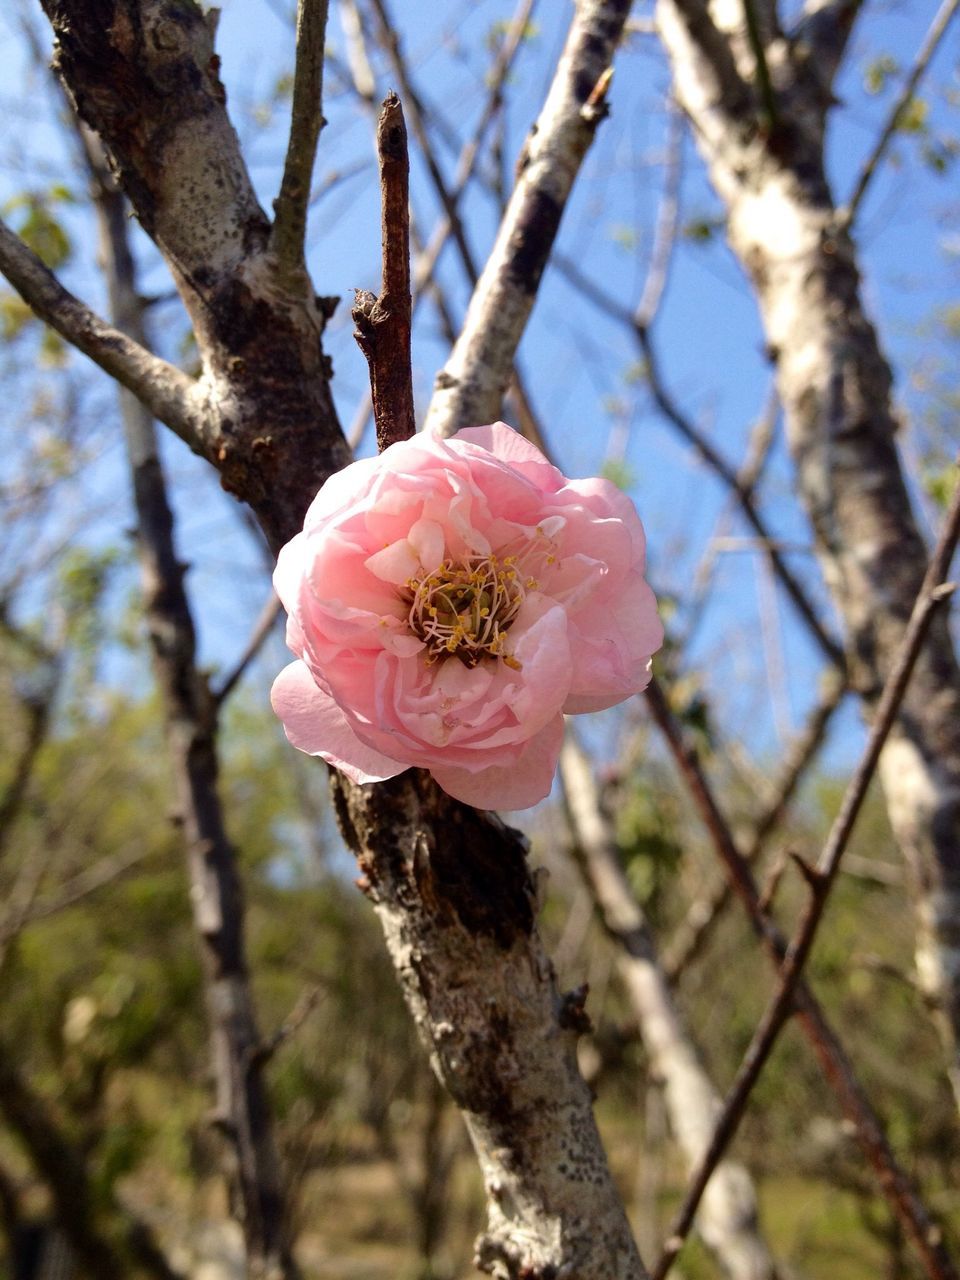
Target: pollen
466,607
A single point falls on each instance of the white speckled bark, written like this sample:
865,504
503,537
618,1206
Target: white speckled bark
835,385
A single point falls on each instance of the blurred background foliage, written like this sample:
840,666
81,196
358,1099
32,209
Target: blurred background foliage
102,1021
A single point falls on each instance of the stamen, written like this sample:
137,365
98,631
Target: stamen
466,607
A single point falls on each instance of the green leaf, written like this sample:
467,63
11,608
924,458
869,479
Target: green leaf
877,74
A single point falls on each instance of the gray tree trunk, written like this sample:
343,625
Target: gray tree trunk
835,385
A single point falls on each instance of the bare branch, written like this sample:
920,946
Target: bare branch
470,388
938,29
38,710
384,322
836,1067
691,936
79,887
456,900
298,1015
667,225
728,1219
261,630
768,100
288,234
822,35
387,34
216,891
168,393
820,879
714,50
713,458
466,162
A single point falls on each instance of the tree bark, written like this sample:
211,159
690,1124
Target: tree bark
835,385
447,881
457,903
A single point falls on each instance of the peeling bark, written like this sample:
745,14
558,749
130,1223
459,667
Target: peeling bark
835,385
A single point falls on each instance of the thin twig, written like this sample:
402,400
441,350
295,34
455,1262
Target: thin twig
711,456
820,879
837,1069
938,29
387,35
163,389
668,222
466,163
692,934
261,629
384,322
287,238
471,386
291,1024
38,709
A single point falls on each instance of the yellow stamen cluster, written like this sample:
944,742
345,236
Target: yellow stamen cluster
465,608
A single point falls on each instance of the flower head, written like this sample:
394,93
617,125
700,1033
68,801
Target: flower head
449,601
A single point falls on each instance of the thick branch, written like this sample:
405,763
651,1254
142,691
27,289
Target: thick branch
143,74
384,322
456,900
470,389
287,237
168,393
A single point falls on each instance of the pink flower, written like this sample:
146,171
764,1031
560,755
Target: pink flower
448,601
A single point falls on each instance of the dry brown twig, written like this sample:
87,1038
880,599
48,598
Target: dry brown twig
383,322
934,592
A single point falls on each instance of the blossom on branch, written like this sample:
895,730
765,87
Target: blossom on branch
448,602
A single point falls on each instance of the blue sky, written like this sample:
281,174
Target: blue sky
578,364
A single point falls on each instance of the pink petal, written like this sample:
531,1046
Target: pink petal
315,724
516,786
511,447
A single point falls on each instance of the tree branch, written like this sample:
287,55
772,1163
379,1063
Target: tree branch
190,711
456,900
261,630
167,392
471,386
384,322
710,455
938,29
820,879
288,234
728,1219
691,935
388,37
837,1069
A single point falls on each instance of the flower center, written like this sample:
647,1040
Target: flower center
466,608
